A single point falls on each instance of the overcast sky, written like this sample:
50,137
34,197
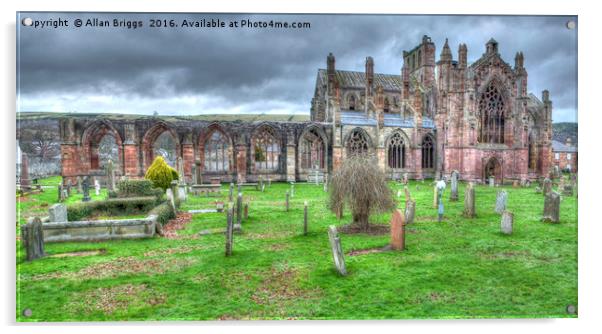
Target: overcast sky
241,70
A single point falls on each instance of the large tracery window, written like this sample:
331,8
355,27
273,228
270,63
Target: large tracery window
108,150
267,150
351,102
357,143
216,153
312,150
491,107
396,151
428,152
165,146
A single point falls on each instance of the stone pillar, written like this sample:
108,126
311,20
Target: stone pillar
131,161
241,163
291,153
188,161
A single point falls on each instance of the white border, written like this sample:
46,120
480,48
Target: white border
589,121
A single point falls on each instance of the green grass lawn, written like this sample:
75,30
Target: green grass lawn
460,268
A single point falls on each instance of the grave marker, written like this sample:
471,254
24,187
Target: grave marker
454,186
32,237
469,201
86,186
507,222
287,200
337,251
57,213
397,230
239,209
305,218
500,201
229,230
551,208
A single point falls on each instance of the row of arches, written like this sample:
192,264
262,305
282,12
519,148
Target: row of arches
355,102
396,146
215,147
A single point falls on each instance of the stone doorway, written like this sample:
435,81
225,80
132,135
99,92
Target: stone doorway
493,167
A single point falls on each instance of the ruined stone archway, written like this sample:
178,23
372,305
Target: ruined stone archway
92,138
151,136
493,167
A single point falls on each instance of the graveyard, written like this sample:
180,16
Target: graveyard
460,267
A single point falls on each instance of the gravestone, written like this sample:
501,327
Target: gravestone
292,189
219,206
171,200
68,188
500,201
410,211
245,213
57,213
229,230
86,186
405,178
79,185
454,186
231,192
547,186
263,187
337,250
239,209
551,208
261,183
515,184
110,176
180,170
397,230
182,195
174,189
567,190
97,187
435,196
32,237
194,176
24,182
287,200
491,181
239,188
538,190
407,193
305,218
61,193
469,201
507,222
325,183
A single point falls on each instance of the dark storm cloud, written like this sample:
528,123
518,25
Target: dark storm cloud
248,66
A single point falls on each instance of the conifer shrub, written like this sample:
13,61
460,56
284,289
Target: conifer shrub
161,174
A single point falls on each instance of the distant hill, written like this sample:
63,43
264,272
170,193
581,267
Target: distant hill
562,131
169,118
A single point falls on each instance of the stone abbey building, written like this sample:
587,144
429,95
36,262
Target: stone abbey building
436,117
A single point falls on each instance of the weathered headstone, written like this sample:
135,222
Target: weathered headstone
79,185
515,184
337,250
61,193
219,206
229,231
263,187
245,213
194,175
547,186
405,178
292,189
491,181
182,195
68,188
567,190
469,201
410,211
86,186
305,218
501,201
551,208
239,188
110,176
32,237
287,200
397,230
231,192
239,209
435,196
180,164
454,186
24,182
507,222
57,213
97,187
261,183
325,183
171,200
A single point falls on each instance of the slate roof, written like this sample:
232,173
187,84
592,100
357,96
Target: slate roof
391,120
354,79
560,147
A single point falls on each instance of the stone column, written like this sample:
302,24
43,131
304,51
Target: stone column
291,166
241,163
187,157
131,161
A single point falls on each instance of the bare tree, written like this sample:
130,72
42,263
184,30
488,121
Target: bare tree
40,141
360,185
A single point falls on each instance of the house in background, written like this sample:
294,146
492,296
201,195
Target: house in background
564,155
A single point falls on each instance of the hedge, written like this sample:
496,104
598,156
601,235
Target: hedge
135,188
112,207
163,212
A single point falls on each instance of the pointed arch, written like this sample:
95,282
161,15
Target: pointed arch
396,147
492,168
312,148
428,152
493,109
165,131
216,150
266,148
101,142
358,141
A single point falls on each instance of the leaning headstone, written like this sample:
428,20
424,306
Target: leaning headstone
305,218
110,176
337,250
547,186
507,222
469,201
24,182
97,187
500,201
397,230
551,208
239,209
32,237
229,231
86,186
57,213
287,200
454,186
410,211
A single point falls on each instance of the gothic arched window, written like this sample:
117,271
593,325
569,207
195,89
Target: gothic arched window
165,146
428,152
312,150
267,150
351,102
357,143
387,106
492,107
396,151
216,152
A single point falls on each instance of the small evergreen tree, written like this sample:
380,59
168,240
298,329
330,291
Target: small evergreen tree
161,174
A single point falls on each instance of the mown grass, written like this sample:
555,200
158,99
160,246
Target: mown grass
460,268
